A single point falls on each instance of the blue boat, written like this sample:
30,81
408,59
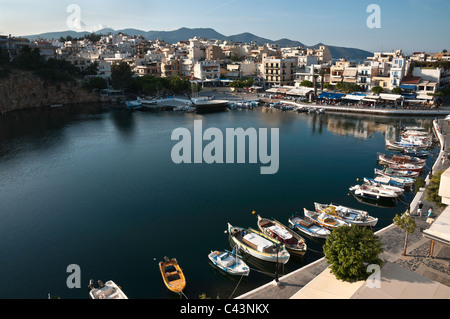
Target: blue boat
229,262
416,152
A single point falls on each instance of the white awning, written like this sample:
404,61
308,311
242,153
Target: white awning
440,228
354,97
300,91
390,97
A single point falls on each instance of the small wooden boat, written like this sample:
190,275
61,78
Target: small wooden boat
133,105
401,145
324,220
399,159
257,245
229,262
349,215
172,275
406,167
107,290
372,192
416,153
399,190
392,173
389,181
307,227
293,242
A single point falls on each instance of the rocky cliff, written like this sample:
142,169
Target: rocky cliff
24,90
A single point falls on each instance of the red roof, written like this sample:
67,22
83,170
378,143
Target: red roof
411,80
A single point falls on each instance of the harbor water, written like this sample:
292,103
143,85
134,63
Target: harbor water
98,189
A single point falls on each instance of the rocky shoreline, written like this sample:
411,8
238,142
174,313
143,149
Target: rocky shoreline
24,90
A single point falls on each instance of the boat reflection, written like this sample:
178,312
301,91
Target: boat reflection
387,203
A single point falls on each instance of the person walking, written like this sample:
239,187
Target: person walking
419,208
430,212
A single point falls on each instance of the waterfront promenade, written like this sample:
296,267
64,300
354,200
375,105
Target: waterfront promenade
431,275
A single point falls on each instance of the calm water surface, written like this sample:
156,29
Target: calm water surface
99,189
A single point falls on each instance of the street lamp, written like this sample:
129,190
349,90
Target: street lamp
277,248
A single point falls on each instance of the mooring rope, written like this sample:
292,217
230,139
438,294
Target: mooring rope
236,287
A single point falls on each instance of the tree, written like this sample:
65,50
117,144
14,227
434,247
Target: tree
377,89
432,192
407,224
350,250
121,76
307,83
396,90
348,87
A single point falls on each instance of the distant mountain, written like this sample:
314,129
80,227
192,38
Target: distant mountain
184,34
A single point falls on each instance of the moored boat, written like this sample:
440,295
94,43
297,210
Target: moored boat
293,242
172,275
229,262
107,290
373,192
258,246
307,227
390,181
396,189
406,167
397,173
347,214
324,219
400,159
416,153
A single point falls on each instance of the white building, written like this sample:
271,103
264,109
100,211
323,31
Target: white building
207,72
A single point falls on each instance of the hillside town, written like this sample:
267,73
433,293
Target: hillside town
417,79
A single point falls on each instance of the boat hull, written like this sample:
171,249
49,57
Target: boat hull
172,275
298,248
229,264
236,234
307,228
349,215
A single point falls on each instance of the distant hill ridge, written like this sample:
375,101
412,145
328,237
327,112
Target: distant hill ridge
184,34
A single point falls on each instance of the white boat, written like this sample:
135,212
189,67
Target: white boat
307,227
396,189
132,105
258,245
396,173
400,159
414,128
229,262
347,214
384,178
107,290
324,220
406,167
372,192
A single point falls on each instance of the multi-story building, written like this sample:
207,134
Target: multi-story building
279,72
171,67
207,72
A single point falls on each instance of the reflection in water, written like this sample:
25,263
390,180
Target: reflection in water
124,121
364,126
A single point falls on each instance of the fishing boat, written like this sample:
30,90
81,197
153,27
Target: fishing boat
400,159
307,227
414,128
258,246
107,290
397,173
406,167
133,105
347,214
396,189
393,180
372,192
324,220
172,275
401,145
229,262
293,242
416,153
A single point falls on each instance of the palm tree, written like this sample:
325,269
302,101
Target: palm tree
322,78
315,85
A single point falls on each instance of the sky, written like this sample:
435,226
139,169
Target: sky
410,25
